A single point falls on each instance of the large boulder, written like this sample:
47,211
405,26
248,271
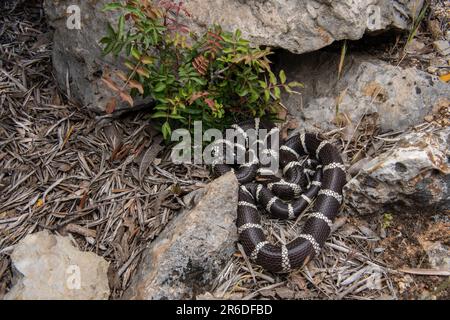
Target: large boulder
401,97
187,256
298,26
49,267
414,177
303,26
77,55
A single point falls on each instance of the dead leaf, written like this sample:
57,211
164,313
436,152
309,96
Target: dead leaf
83,200
74,228
291,124
299,282
285,293
150,156
136,85
122,76
110,83
111,106
197,95
65,167
445,77
126,97
143,72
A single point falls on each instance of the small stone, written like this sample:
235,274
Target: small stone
432,70
49,267
435,28
438,62
443,47
438,254
429,118
414,46
442,72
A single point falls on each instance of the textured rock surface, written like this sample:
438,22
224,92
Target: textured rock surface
413,177
401,97
299,26
303,26
184,260
49,267
77,55
438,254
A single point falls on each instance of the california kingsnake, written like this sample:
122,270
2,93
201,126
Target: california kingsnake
325,187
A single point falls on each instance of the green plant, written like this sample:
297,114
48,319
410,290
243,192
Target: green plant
416,22
217,77
387,221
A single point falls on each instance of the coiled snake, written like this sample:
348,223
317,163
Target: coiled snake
321,178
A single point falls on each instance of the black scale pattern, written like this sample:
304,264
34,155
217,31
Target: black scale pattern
300,250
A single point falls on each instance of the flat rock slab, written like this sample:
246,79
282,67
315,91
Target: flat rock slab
400,97
188,255
414,177
49,267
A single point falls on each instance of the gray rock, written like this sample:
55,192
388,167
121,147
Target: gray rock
414,177
49,267
303,26
188,255
443,47
400,97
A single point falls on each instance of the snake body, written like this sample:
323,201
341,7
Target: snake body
316,182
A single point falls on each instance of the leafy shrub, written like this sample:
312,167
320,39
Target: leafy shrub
217,78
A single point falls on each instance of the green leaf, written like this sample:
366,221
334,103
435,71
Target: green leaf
105,40
135,53
110,31
288,89
109,48
159,114
161,86
273,79
112,6
282,77
121,27
166,130
294,84
200,81
129,65
263,84
118,48
277,92
176,117
161,107
243,93
147,60
267,95
193,111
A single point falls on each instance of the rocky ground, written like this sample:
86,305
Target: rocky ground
100,192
